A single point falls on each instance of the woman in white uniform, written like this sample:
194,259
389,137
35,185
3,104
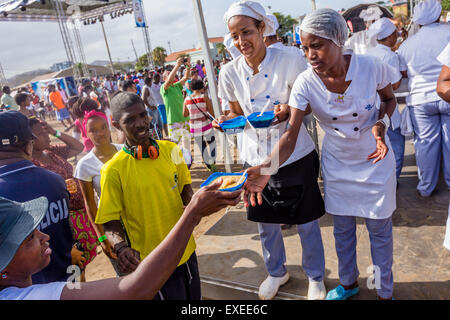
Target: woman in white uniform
385,33
358,169
430,115
258,77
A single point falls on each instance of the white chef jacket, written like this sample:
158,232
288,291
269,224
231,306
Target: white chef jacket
273,82
444,57
386,55
353,185
418,55
360,42
279,45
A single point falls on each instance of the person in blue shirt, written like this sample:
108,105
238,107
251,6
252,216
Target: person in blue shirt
21,180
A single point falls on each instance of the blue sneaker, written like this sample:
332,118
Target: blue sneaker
339,293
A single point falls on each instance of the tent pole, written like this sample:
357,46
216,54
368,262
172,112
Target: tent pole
107,47
212,83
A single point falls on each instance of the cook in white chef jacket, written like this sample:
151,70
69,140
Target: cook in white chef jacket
443,89
357,167
429,113
360,42
385,33
265,75
271,41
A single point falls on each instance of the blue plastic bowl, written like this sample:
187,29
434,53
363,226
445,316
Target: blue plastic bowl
233,125
215,175
264,121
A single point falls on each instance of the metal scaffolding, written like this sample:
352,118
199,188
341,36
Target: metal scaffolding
146,36
3,80
68,46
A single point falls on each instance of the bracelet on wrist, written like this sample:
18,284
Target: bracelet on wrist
102,238
57,133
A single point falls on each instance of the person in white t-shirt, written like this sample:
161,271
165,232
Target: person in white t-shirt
385,33
155,89
151,104
88,168
429,113
264,77
24,251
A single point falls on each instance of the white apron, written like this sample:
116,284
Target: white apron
353,185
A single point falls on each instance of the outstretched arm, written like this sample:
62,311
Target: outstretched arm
157,267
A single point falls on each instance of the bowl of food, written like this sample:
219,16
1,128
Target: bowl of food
230,181
261,121
233,125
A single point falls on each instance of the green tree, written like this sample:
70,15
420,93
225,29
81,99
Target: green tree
221,49
142,62
285,22
159,56
445,5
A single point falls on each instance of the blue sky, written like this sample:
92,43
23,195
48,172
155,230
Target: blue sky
38,45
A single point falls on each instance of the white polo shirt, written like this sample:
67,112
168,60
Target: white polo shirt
274,81
418,54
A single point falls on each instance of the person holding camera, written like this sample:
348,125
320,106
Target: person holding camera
172,94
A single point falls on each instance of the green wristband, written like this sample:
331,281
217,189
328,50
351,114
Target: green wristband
58,133
102,238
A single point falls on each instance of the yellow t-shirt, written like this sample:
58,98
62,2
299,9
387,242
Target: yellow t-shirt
146,195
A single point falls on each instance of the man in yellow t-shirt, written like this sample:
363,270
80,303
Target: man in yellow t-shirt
141,200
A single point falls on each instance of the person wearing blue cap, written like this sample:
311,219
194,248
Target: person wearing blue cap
25,250
21,180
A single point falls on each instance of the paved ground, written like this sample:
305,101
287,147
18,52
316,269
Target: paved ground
231,264
230,252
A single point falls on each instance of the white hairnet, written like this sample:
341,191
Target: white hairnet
250,9
276,25
382,29
371,13
427,12
328,24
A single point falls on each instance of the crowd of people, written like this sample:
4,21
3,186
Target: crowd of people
144,225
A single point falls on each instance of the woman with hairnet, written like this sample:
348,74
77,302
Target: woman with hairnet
358,170
430,115
264,77
385,33
360,42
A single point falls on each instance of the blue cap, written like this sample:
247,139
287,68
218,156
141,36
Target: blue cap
14,128
17,222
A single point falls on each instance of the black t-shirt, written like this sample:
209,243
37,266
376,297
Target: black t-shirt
23,181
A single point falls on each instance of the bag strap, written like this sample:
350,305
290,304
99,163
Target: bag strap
207,114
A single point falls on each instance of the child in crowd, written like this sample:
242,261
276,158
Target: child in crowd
197,106
80,107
